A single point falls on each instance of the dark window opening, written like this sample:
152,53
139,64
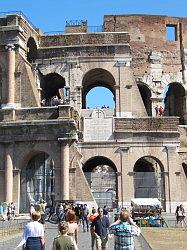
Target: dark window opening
171,32
185,169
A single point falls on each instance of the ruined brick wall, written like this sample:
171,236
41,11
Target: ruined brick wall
147,34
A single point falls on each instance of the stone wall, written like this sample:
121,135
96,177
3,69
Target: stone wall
146,124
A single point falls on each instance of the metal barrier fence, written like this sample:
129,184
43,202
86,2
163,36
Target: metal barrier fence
11,227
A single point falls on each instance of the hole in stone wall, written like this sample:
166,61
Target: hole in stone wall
171,32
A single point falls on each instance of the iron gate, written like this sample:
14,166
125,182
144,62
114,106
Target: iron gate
37,181
103,187
149,185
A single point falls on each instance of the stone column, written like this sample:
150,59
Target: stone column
9,173
10,74
117,100
127,179
64,170
172,167
79,97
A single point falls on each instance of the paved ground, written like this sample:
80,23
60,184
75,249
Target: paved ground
9,243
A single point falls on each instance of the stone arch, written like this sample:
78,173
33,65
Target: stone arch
53,86
174,100
149,178
97,77
184,165
101,174
37,179
145,93
32,52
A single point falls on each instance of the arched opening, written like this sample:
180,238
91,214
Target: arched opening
100,173
149,179
98,78
100,97
174,100
53,91
31,50
146,97
37,181
184,168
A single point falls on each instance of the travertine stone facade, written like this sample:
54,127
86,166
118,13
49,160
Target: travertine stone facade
142,67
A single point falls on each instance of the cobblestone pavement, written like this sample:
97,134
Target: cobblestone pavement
84,240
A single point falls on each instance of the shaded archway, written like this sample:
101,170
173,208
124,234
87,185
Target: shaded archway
174,100
97,78
52,87
31,50
101,175
185,169
149,179
37,181
146,97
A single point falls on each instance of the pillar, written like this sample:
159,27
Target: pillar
127,178
117,100
64,170
9,173
10,74
173,167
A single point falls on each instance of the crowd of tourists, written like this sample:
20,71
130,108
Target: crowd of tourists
70,219
7,211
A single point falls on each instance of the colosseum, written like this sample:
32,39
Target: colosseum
52,146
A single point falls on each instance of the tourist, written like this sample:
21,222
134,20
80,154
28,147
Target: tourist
177,215
161,111
13,209
33,235
105,210
181,215
64,241
32,209
1,212
99,230
156,110
123,232
85,213
92,217
60,212
72,224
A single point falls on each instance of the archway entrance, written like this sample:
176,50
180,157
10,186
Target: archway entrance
37,181
100,173
149,179
53,91
146,97
174,100
31,50
98,78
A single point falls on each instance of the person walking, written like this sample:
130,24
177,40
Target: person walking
181,216
99,230
64,241
85,213
123,232
72,224
33,235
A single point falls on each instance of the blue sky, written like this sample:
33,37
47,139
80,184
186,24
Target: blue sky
51,15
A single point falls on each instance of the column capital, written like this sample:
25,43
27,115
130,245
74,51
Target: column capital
170,147
117,86
10,46
124,149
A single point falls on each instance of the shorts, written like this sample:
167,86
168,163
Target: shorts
101,241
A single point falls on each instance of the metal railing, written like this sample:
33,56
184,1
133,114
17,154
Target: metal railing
91,29
11,227
19,13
